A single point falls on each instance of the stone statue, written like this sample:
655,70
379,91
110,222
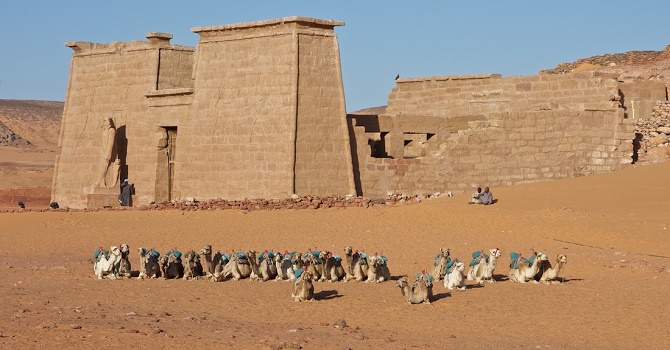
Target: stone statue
106,151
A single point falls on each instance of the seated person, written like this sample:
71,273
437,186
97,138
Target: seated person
486,197
475,196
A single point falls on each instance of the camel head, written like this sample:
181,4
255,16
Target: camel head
373,261
206,250
164,260
296,259
561,259
459,265
142,251
279,257
251,255
114,250
445,252
541,256
306,276
125,249
495,252
348,250
402,282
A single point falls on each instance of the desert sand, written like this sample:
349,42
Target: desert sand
612,227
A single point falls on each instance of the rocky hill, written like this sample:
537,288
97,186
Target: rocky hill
632,60
30,123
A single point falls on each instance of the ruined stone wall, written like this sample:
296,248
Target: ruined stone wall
490,93
323,158
509,148
456,133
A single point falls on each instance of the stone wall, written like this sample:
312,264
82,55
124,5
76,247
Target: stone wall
108,81
655,131
455,133
256,110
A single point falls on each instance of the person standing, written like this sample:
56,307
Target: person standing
127,190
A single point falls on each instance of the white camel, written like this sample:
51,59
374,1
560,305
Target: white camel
482,266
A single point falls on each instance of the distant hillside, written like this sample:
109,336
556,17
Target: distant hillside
655,60
24,123
11,139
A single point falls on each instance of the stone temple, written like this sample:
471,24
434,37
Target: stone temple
257,110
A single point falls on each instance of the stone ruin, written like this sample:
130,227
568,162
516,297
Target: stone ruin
256,110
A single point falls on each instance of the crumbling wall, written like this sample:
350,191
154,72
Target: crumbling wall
488,130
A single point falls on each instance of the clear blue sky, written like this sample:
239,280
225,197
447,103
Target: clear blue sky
380,38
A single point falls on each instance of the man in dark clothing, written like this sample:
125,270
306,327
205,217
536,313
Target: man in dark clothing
127,190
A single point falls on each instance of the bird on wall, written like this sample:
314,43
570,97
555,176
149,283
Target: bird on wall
21,205
397,77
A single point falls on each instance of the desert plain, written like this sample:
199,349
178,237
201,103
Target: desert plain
612,227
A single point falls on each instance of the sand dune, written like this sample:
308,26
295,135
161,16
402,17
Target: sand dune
612,227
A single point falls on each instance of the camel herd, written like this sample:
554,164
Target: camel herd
314,265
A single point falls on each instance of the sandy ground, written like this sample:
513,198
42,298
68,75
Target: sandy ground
612,227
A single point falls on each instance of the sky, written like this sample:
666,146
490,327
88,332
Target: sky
380,39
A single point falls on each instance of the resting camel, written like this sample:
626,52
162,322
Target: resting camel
238,267
523,270
171,265
148,263
333,270
550,275
124,264
482,266
441,260
455,276
219,261
206,260
378,270
105,262
284,264
303,288
356,265
192,265
314,264
420,292
266,266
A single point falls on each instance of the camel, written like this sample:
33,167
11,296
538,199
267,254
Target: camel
148,263
192,265
314,264
333,269
303,289
482,266
355,269
356,265
238,267
206,261
253,263
266,266
523,270
420,292
171,265
550,275
378,270
284,265
455,277
106,261
441,260
124,264
217,266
